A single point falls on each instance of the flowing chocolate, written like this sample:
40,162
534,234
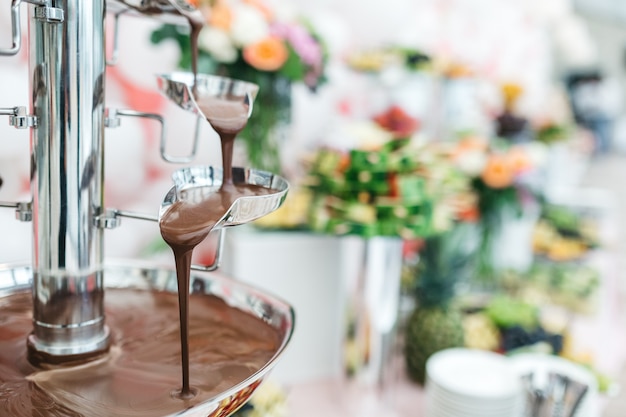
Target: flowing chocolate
183,226
142,370
227,118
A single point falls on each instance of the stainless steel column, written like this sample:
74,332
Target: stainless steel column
67,69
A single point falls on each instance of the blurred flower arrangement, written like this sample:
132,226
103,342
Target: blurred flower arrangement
261,42
377,60
505,179
552,132
383,182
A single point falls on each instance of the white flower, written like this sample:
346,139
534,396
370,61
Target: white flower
248,26
369,135
471,162
217,43
537,153
442,217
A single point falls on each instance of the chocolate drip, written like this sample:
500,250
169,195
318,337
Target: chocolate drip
183,226
227,118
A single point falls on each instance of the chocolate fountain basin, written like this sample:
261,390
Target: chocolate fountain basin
139,373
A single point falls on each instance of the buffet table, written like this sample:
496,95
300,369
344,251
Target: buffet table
301,267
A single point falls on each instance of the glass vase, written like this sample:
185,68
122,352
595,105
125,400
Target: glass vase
512,244
372,269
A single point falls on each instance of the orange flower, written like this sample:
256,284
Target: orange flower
344,162
468,214
498,172
466,207
519,160
220,16
267,55
468,144
471,143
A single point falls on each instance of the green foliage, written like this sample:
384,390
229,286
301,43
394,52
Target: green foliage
491,201
293,69
507,312
445,260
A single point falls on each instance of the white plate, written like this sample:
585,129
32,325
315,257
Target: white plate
473,373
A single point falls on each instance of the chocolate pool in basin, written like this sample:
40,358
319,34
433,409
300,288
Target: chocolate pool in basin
236,335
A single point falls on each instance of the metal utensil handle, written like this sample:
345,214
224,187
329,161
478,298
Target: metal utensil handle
16,31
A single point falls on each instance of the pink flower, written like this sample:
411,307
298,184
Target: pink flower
307,48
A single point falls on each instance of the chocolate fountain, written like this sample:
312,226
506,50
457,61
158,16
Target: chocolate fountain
83,337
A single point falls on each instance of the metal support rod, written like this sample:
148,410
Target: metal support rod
9,111
218,254
135,215
67,64
112,61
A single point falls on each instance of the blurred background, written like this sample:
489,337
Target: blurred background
456,171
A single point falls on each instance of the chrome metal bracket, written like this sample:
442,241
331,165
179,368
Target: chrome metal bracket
42,11
16,30
218,254
49,14
107,220
112,119
18,117
111,219
23,210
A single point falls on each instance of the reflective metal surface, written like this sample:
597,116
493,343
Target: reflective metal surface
169,11
67,79
185,90
244,209
272,310
66,118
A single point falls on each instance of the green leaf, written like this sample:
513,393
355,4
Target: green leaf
293,69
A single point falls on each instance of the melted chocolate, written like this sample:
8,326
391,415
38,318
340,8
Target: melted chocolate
188,222
183,226
227,118
139,375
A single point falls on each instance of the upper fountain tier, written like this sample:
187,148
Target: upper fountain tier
170,11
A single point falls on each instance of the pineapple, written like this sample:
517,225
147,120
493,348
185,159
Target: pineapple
436,324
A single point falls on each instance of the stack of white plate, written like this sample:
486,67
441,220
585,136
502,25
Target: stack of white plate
542,364
472,383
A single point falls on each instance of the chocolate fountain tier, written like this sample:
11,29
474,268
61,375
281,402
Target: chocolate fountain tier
188,90
170,11
237,334
204,181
